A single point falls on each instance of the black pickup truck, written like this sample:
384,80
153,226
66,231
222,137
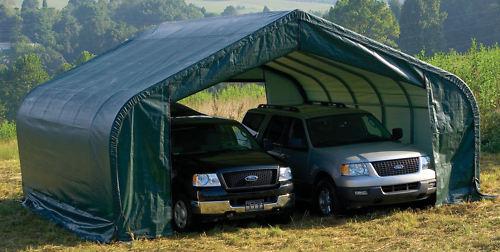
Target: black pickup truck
220,172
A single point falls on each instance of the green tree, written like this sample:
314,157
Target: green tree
8,3
421,26
84,57
266,9
37,25
467,19
29,5
230,11
3,84
44,4
144,13
10,24
96,26
67,30
26,73
64,67
51,59
372,18
395,6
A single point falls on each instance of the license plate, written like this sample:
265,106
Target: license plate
254,205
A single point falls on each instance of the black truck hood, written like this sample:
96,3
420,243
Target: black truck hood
211,162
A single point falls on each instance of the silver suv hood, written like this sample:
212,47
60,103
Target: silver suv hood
369,152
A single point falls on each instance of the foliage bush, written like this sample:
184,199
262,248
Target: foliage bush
7,131
225,93
480,69
227,100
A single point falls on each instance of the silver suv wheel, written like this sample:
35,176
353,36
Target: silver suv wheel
325,201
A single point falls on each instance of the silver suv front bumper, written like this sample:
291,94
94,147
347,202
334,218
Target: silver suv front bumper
224,206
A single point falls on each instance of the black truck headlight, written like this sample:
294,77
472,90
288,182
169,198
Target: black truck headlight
206,180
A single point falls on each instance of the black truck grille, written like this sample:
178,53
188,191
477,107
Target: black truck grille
396,167
244,179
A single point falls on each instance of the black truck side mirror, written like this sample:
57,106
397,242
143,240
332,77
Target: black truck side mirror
267,144
397,133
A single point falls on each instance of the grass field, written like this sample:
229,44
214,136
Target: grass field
232,101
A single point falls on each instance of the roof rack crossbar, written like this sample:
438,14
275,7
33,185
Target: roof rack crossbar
280,107
329,104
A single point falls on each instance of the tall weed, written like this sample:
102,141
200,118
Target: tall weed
480,69
7,131
230,101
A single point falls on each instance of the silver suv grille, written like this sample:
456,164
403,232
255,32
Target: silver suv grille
401,187
396,167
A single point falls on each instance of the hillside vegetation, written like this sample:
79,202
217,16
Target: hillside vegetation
258,5
218,6
480,69
59,4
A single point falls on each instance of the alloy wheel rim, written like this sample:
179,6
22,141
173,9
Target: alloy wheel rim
325,201
180,214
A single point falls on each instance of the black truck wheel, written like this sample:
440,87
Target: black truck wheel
182,215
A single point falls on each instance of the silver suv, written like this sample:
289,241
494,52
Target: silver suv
342,157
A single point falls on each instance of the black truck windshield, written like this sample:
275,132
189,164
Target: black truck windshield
210,138
346,129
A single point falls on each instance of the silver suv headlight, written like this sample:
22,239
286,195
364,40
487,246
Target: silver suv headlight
355,169
285,174
206,180
426,162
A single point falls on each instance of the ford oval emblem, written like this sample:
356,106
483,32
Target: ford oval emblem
251,178
399,167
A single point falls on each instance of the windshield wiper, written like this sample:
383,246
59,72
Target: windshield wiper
230,150
376,139
330,143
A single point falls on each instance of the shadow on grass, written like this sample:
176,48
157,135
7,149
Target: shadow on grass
303,219
22,229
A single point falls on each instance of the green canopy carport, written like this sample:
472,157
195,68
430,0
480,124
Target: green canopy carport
94,143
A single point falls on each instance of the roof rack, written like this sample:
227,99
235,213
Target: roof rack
280,107
329,104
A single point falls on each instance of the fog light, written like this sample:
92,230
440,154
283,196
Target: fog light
432,184
360,193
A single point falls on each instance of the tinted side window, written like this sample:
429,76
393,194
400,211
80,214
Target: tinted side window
253,120
277,130
297,137
372,127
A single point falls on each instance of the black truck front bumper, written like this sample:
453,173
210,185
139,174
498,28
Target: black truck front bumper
219,202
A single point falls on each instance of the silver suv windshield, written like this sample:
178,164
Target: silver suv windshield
346,129
210,138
